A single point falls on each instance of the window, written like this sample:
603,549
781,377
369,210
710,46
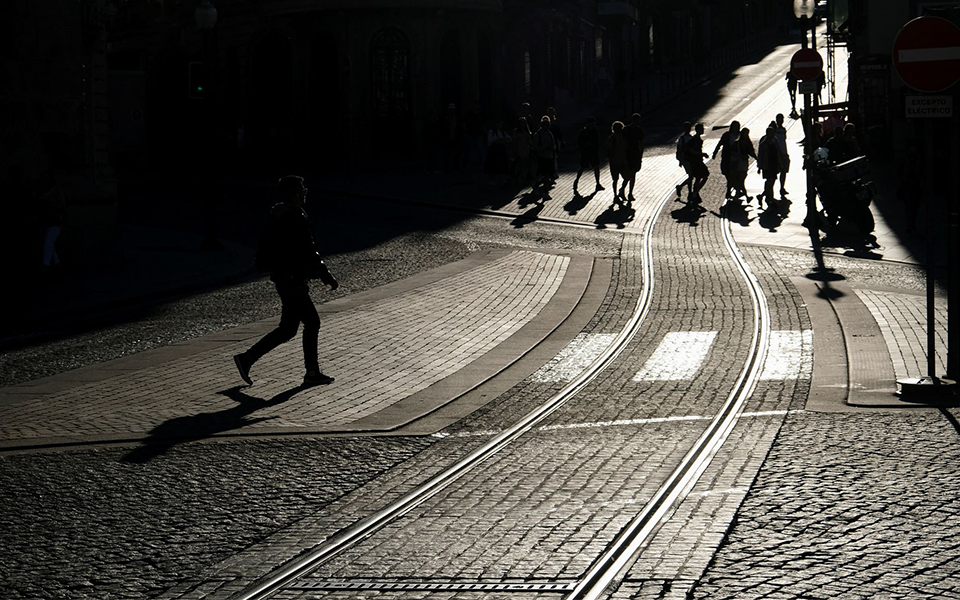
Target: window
390,54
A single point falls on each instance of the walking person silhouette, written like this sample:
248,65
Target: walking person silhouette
546,148
634,134
727,148
780,135
694,156
768,163
589,144
792,88
617,156
288,252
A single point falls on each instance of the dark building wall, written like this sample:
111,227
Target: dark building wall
317,82
54,117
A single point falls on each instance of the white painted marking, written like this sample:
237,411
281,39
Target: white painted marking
621,423
574,358
929,54
786,358
728,491
678,356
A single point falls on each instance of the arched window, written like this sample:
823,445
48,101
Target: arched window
390,53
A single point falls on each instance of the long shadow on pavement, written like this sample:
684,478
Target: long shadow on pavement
205,425
578,202
619,213
689,213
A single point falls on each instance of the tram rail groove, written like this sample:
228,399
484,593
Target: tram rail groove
612,565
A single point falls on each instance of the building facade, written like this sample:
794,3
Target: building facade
317,83
54,118
869,30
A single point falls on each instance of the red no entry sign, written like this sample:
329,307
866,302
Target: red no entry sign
926,54
806,64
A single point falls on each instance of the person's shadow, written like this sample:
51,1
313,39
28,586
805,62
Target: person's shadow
689,213
578,202
528,217
735,212
772,216
536,194
619,213
180,430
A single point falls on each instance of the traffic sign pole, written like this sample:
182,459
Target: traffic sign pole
926,55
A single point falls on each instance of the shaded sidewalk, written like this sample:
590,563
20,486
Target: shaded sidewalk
153,264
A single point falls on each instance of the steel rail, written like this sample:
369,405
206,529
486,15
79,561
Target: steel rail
344,539
608,570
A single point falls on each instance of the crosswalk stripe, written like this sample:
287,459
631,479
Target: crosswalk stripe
678,356
574,358
786,358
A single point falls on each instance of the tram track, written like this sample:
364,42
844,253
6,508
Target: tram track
612,564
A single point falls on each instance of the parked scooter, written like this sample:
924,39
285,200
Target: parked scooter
845,194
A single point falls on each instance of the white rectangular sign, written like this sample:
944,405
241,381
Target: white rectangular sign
928,106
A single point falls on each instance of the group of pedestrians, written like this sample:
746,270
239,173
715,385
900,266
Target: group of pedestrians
289,253
773,161
527,152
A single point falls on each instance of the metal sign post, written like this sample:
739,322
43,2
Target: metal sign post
926,54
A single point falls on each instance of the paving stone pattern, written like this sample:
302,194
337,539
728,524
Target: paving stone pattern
406,344
552,501
848,506
903,320
681,550
156,522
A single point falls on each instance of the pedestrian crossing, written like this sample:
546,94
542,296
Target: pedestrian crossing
680,355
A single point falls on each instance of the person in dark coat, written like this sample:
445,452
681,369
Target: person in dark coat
617,156
768,163
288,252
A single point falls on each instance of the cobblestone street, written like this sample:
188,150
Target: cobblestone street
520,384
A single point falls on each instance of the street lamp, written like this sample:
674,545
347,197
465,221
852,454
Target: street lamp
802,8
